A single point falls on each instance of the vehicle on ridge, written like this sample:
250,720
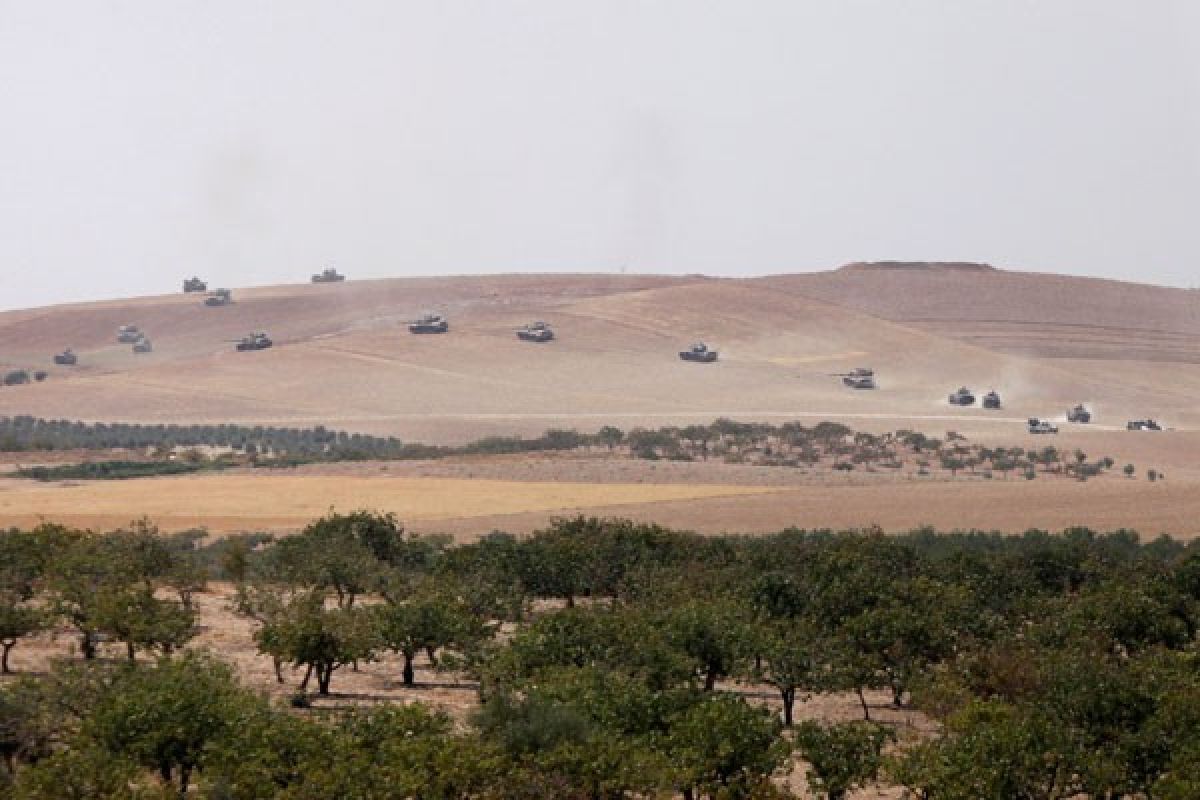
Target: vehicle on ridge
429,323
535,332
699,352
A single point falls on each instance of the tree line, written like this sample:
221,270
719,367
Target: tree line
610,659
825,445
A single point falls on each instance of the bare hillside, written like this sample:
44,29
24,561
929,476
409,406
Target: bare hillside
1018,312
344,359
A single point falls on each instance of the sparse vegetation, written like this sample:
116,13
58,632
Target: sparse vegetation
170,449
633,661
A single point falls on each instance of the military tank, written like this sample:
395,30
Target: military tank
1038,426
1079,414
194,284
535,332
429,323
1143,425
66,358
699,352
991,400
859,378
328,275
143,345
128,334
962,397
219,297
253,341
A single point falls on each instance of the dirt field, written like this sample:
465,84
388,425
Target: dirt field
472,497
344,360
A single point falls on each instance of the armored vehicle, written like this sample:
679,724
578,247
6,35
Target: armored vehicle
429,323
991,400
254,341
962,397
66,358
143,346
859,378
1079,414
699,352
329,275
219,297
128,334
16,377
1142,425
536,332
194,284
1041,426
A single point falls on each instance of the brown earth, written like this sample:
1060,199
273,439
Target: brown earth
343,360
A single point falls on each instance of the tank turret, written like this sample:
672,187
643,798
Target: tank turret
429,323
128,334
535,332
1079,414
253,341
859,378
699,352
219,297
962,397
328,275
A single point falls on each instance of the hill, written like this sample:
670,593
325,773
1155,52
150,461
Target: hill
343,359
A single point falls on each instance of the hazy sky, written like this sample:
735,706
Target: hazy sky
254,142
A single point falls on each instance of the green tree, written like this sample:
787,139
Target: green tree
166,718
322,640
428,620
723,747
841,757
716,635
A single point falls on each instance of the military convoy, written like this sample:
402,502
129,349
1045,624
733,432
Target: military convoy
328,275
1142,425
1079,415
962,397
194,284
991,400
699,352
219,297
253,341
1037,426
859,378
535,332
66,358
429,323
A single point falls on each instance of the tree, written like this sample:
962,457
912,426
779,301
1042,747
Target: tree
841,757
165,718
17,621
427,620
141,620
722,744
790,664
715,635
322,640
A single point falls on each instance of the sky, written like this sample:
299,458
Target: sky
255,142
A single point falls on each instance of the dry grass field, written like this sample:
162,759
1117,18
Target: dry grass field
344,360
